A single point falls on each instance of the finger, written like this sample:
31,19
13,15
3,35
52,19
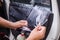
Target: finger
36,28
23,20
43,29
24,23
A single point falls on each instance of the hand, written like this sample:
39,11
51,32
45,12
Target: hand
38,33
19,24
12,25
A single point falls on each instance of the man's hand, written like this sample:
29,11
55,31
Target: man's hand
20,23
12,25
37,33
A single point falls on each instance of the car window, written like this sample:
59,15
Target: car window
46,3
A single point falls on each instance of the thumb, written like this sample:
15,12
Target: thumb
43,29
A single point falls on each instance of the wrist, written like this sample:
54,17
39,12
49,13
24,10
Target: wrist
11,25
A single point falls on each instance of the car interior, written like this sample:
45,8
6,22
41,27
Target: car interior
52,24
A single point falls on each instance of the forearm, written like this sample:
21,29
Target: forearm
5,23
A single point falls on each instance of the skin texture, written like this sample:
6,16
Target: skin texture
12,25
37,33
